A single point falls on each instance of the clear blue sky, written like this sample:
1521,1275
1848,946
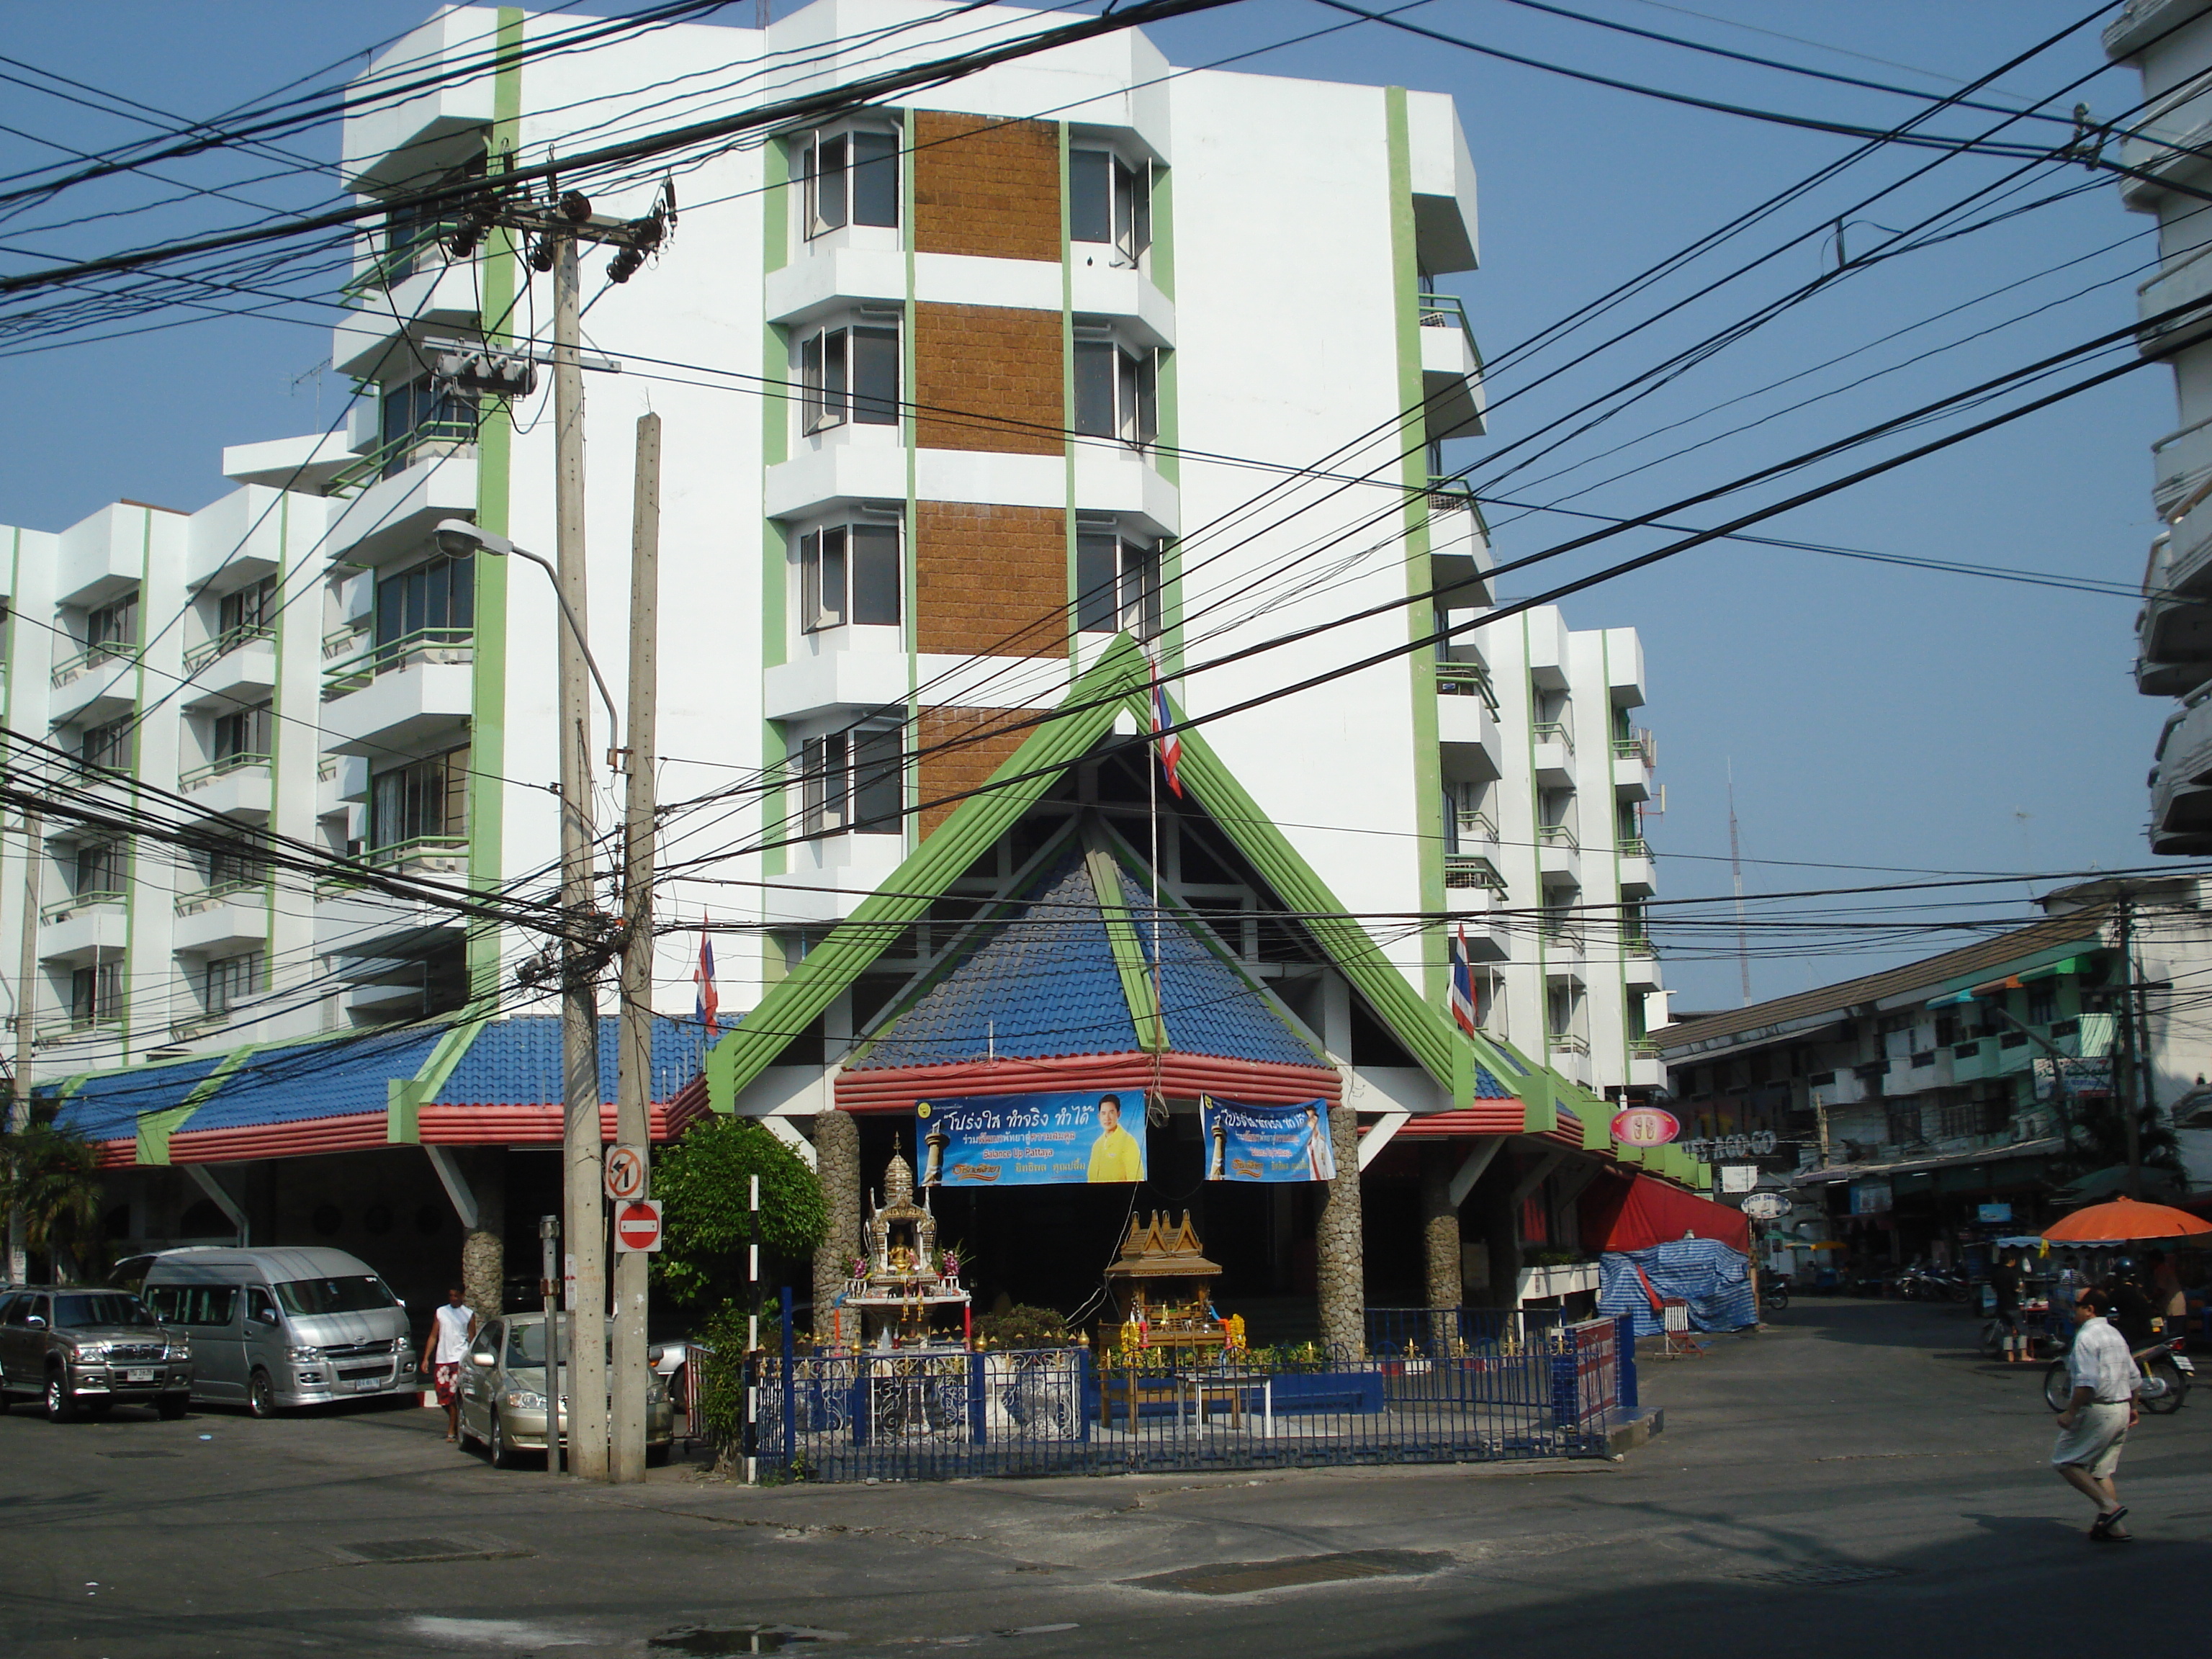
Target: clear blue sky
1874,715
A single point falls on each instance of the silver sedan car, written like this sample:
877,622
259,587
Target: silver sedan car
502,1391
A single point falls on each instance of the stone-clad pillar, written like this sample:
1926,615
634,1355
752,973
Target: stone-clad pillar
1440,1229
1340,1260
837,1164
483,1251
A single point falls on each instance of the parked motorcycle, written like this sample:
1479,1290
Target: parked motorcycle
2167,1375
1773,1292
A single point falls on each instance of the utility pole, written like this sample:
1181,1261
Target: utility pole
584,1213
633,1087
2131,1088
27,1020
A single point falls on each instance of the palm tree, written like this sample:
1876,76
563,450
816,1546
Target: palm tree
50,1177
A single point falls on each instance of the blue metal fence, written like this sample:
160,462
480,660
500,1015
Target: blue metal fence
949,1413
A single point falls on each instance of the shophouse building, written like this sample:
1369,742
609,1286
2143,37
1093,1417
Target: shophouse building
2170,41
1898,1105
960,398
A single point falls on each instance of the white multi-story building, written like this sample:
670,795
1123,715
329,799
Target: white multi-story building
954,394
2170,41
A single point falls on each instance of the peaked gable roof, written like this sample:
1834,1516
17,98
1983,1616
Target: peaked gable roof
1121,681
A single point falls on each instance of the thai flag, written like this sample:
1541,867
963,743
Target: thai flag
704,977
1462,983
1171,745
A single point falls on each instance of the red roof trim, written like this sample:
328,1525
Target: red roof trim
1261,1082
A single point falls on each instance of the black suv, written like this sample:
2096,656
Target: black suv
82,1351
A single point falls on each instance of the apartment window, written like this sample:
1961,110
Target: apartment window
111,630
249,613
425,801
854,780
849,573
849,373
234,867
2042,1002
1117,393
1904,1125
1109,201
849,179
98,868
107,746
229,981
1117,584
1625,822
245,734
432,603
421,411
96,992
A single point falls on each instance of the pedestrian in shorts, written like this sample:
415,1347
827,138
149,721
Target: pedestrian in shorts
451,1328
2095,1425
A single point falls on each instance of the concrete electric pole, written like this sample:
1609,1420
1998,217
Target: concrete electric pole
27,1022
634,1085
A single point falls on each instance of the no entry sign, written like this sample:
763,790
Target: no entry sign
637,1226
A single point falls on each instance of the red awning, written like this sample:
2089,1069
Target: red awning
1634,1213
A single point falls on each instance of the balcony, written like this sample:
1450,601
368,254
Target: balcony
236,668
1467,728
1473,830
398,495
1456,678
2181,784
1562,944
1554,755
363,922
94,685
1639,963
1451,369
235,787
410,294
1470,869
1558,853
404,695
83,927
2183,464
77,1028
1636,870
218,920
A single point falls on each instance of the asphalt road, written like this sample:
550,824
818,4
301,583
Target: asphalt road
1852,1481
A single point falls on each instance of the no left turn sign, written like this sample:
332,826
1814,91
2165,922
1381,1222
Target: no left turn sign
637,1226
625,1174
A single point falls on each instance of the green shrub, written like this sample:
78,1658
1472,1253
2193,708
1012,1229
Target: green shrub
703,1180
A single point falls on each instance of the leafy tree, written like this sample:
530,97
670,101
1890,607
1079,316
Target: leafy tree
50,1175
704,1181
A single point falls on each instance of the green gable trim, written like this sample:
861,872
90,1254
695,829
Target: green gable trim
975,825
2021,965
1087,714
404,1097
1137,987
155,1129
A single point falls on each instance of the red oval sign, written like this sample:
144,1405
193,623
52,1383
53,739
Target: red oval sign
1645,1126
637,1226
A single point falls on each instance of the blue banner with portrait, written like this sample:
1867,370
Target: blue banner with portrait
1032,1140
1266,1143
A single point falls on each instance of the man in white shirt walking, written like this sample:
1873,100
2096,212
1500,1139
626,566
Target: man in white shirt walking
451,1328
2094,1425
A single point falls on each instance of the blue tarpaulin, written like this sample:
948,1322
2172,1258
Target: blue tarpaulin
1714,1280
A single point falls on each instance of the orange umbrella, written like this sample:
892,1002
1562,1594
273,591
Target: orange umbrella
2123,1221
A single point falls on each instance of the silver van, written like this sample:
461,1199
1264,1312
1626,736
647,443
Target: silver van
272,1328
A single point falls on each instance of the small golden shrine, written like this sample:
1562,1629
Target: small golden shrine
904,1281
1163,1288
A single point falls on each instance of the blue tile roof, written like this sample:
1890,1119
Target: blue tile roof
1487,1087
108,1107
343,1077
1044,984
1209,1007
1030,991
517,1061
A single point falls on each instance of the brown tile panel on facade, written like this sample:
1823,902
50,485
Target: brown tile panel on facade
986,187
960,748
990,580
988,376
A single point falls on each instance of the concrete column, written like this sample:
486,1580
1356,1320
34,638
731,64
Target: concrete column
483,1247
1440,1227
1339,1255
837,1164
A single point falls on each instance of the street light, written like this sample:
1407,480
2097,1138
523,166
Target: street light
458,538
